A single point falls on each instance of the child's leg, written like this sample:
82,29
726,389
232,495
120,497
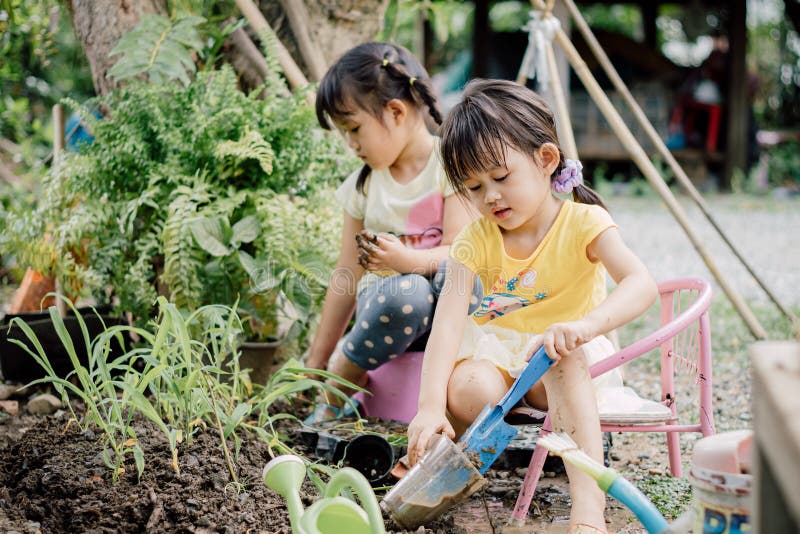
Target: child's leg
573,409
390,315
473,385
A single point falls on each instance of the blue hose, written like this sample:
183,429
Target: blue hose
645,511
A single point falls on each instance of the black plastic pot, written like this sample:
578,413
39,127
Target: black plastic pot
369,454
19,366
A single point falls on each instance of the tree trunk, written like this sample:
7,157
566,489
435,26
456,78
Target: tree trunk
334,26
99,24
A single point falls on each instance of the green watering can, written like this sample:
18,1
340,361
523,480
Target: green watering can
332,514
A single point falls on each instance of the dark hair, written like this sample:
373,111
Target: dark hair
369,76
492,115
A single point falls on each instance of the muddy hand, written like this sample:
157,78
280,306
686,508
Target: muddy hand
366,246
369,237
422,428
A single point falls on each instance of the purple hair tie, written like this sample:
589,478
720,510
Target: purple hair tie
569,178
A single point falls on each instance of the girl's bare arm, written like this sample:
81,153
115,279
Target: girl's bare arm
439,360
634,293
636,290
340,299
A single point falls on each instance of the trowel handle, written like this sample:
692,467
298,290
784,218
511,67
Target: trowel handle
538,365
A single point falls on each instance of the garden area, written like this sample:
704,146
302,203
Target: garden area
169,230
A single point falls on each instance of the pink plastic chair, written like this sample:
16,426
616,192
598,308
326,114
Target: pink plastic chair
395,389
685,342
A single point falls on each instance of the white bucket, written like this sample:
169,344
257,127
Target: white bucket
720,501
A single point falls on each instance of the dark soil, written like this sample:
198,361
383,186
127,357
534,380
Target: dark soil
53,479
54,476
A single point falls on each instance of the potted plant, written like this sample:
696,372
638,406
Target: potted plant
199,193
275,263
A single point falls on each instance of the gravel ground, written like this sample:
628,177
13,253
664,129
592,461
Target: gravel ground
766,232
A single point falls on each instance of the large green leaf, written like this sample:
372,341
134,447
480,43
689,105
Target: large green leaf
245,230
213,235
160,48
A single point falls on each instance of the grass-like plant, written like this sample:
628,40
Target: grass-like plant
183,375
110,391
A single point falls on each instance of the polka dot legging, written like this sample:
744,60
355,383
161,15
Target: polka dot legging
391,313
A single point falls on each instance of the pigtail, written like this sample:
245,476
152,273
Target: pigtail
420,90
361,181
568,178
586,195
425,91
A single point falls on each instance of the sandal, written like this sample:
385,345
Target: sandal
325,412
584,528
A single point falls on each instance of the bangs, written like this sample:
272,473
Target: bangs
472,143
332,103
337,100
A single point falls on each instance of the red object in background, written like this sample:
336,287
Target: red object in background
691,109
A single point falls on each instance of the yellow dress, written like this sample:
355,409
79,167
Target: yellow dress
523,296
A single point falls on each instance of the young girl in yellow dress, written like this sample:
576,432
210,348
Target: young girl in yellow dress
542,260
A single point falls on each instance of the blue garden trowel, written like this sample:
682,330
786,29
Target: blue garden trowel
489,435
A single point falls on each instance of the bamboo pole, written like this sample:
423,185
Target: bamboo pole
58,132
566,136
647,168
662,149
298,17
59,129
292,72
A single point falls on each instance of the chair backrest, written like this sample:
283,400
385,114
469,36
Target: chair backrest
683,302
683,337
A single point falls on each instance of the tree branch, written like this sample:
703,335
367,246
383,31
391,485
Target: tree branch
292,72
8,175
9,146
298,17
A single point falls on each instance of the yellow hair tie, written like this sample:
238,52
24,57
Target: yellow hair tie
385,62
411,81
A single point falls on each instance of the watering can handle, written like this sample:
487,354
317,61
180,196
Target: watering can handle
538,365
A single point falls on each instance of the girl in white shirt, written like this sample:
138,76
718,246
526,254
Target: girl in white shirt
400,215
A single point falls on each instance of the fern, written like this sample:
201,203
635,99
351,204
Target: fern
159,48
274,83
181,257
114,220
251,146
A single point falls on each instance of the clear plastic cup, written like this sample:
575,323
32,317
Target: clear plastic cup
443,478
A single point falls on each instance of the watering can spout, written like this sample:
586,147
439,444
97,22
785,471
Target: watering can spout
332,514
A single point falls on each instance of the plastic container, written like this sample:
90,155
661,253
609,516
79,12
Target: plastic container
443,478
721,486
19,366
369,454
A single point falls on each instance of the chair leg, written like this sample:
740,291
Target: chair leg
674,448
529,484
532,476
